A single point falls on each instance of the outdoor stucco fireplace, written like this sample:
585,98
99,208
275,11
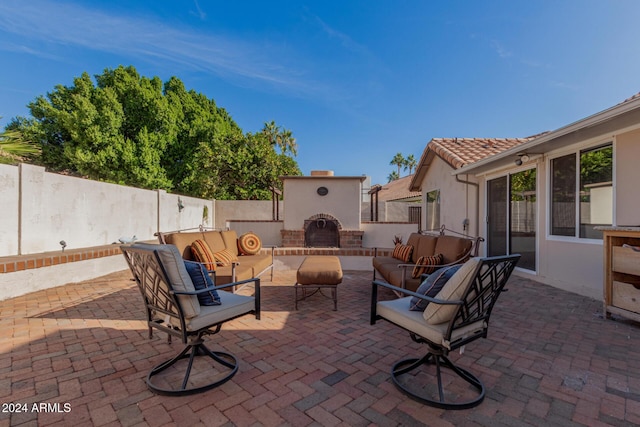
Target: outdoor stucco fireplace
322,211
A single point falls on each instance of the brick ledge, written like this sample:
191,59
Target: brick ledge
11,264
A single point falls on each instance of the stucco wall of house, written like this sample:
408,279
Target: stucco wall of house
458,201
571,264
627,172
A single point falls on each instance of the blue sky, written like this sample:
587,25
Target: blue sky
355,81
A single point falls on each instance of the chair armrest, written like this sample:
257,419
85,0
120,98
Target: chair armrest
415,294
226,285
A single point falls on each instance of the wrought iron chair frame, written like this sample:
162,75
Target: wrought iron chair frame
164,311
486,283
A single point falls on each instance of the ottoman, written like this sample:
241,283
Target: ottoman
316,273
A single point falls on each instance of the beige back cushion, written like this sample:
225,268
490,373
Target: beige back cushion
179,277
453,290
426,247
214,240
452,248
183,242
230,238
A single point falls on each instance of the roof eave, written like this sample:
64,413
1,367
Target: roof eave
500,159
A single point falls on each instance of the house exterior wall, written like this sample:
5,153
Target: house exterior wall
571,263
458,201
627,177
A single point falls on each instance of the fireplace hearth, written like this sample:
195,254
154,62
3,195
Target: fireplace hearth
322,233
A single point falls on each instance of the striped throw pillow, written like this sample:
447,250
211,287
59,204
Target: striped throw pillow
426,265
225,257
203,254
402,252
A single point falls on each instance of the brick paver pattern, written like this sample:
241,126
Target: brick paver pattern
80,353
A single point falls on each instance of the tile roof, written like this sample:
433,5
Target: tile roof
398,190
458,152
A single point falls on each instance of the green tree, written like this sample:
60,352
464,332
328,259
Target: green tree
139,131
399,161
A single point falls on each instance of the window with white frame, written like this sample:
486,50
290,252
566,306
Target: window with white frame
433,210
582,192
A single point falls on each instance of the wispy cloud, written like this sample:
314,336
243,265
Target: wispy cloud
199,12
499,48
346,41
68,24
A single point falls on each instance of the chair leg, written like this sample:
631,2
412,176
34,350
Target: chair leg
191,351
441,361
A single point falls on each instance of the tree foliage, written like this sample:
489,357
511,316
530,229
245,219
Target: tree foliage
139,131
14,147
399,161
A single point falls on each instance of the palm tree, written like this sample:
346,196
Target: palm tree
399,161
410,163
281,137
393,176
14,147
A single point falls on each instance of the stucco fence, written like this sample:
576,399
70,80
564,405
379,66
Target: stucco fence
58,229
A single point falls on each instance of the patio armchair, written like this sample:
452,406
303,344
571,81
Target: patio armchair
457,315
172,306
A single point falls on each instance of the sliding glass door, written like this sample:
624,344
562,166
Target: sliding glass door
511,222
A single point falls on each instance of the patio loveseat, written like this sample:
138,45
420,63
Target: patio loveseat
237,258
422,254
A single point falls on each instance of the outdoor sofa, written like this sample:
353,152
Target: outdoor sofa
237,258
422,254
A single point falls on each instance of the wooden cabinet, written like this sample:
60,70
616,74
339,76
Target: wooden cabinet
622,271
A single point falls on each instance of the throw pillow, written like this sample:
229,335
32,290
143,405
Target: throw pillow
453,290
249,244
203,254
402,252
202,280
426,265
225,257
432,285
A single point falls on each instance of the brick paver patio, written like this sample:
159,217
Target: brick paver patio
550,359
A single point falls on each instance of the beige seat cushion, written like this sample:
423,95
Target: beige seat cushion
397,311
453,290
232,305
258,263
320,270
224,274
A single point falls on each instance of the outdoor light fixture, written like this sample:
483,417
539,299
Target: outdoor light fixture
180,205
63,244
522,158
